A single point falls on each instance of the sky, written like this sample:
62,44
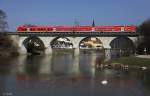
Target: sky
66,12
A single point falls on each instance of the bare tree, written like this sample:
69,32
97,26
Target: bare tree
6,44
3,21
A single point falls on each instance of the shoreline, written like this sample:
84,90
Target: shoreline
140,61
143,56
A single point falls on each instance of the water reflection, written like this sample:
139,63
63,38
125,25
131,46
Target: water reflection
88,60
70,73
60,64
6,71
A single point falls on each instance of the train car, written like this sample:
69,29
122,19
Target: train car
76,29
35,29
63,28
115,28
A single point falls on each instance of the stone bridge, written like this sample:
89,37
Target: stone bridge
108,40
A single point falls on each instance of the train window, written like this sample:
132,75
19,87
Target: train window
32,29
49,29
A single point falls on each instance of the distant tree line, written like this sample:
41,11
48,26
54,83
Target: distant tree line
144,45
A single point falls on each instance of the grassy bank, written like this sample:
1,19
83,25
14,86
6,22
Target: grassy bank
135,61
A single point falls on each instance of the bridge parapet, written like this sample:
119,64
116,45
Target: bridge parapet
74,34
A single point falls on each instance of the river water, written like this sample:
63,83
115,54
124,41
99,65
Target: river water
66,73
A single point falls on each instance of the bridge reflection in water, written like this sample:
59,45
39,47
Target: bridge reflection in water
60,63
67,73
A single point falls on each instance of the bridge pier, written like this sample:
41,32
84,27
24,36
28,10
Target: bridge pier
75,41
21,47
106,41
47,41
22,50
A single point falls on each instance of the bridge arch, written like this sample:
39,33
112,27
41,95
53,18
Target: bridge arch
91,42
107,42
61,42
123,44
33,44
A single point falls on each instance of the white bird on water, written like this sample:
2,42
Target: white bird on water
144,68
104,82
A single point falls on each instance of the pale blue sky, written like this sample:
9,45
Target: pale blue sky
64,12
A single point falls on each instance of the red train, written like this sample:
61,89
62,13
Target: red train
76,29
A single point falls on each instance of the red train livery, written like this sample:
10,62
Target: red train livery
76,29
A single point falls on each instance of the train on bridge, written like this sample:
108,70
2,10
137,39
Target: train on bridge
42,39
76,29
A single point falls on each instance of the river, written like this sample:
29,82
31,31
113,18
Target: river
65,73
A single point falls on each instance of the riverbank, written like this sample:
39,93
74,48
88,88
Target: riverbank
143,56
132,61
